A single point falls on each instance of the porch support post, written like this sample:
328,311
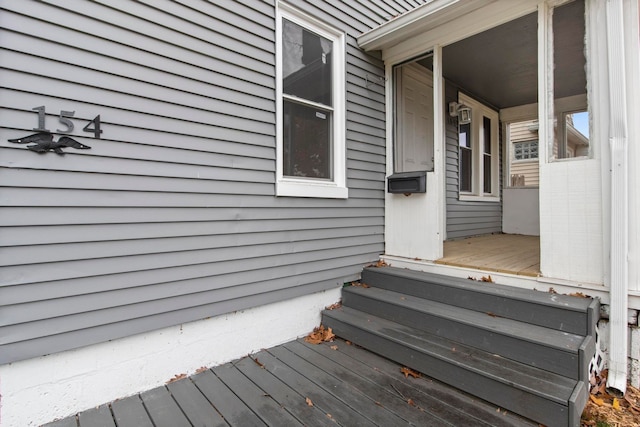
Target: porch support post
618,338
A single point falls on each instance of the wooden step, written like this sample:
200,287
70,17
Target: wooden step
557,351
562,312
540,395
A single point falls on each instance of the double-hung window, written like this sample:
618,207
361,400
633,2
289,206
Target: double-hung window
478,153
310,90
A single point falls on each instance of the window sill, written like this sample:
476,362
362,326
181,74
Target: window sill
473,198
317,189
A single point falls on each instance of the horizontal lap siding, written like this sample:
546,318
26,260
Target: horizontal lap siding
171,216
465,218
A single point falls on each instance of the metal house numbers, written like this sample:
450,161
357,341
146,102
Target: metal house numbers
43,141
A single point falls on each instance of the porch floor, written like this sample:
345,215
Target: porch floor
504,253
299,384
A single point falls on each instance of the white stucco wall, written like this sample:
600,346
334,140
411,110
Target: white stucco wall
40,390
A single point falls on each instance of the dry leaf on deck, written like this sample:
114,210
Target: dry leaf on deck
320,334
177,377
408,371
309,402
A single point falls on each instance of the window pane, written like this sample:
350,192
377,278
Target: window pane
306,64
571,136
486,126
577,133
307,146
465,169
487,173
523,162
464,139
465,135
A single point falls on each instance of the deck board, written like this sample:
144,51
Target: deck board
261,403
340,388
289,398
197,408
96,417
233,410
504,253
130,412
328,404
164,411
345,384
378,386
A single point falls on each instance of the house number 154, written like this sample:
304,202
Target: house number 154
64,118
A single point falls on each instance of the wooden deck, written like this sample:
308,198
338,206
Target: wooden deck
504,253
299,384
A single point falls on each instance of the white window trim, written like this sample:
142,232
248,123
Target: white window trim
308,187
478,111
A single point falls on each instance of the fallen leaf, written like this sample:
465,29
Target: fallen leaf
258,362
320,334
309,402
579,295
596,400
334,306
616,404
379,404
491,314
177,377
552,291
411,402
201,369
347,342
381,263
487,279
334,347
408,371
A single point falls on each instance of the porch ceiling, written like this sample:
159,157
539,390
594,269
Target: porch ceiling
499,65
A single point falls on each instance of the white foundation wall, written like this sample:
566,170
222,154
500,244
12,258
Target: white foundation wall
39,390
633,370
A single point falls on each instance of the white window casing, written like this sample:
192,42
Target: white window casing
478,112
293,186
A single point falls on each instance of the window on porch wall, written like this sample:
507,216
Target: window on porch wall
571,123
477,152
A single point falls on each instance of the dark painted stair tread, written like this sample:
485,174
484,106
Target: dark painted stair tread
564,312
529,379
539,334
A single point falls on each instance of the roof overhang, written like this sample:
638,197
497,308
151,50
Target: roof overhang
419,20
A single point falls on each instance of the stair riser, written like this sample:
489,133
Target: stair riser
534,354
502,305
516,400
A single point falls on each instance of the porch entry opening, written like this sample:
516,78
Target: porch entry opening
492,192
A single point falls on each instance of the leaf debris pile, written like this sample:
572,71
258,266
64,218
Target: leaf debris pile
334,306
360,284
606,410
319,335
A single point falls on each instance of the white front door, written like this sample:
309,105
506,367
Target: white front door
415,120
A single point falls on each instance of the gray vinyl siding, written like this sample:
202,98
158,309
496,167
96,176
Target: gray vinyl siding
171,216
466,218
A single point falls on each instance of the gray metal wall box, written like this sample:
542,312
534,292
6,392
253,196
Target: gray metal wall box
407,182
